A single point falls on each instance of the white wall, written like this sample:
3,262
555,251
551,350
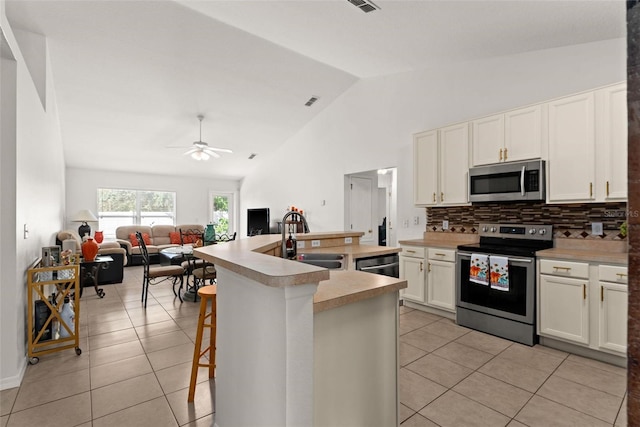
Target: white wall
371,125
191,193
33,182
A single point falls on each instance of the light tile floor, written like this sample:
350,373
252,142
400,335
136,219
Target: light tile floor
135,366
454,376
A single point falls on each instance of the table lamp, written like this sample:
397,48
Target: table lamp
84,216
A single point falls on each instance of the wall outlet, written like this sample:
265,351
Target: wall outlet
347,240
445,224
596,228
416,220
26,231
315,243
300,244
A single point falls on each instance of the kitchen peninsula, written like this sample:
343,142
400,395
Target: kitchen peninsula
299,345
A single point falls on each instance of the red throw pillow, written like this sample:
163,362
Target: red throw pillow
190,238
134,240
174,238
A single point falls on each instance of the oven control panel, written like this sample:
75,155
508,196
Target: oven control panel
517,231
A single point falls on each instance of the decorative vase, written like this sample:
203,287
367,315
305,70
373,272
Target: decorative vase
209,234
89,249
99,236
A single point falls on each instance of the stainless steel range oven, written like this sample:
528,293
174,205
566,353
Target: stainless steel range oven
496,280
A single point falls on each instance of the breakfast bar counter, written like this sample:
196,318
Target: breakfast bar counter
295,341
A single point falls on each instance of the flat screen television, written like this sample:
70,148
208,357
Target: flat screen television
257,221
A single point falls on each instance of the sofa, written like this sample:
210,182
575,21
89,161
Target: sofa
158,237
114,273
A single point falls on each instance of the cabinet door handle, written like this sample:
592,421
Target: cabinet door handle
500,155
410,251
441,196
584,291
601,293
567,269
421,266
607,188
439,254
591,190
505,154
434,197
621,275
429,268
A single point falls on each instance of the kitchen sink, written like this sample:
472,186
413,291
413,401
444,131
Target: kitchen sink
330,261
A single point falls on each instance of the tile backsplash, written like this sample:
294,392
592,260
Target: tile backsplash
569,221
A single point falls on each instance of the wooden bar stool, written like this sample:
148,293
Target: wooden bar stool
206,293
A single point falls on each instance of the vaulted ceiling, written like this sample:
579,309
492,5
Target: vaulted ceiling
130,77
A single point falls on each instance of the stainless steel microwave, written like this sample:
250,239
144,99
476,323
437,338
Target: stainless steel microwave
516,181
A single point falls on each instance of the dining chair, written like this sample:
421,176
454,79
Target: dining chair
156,275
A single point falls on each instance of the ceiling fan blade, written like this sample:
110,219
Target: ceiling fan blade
211,153
192,150
222,150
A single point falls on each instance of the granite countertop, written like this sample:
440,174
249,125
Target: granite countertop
346,287
611,251
442,240
246,256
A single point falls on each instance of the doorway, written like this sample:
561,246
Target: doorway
370,205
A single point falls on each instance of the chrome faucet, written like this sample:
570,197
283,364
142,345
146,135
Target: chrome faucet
305,229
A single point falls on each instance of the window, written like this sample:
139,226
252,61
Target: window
222,212
125,207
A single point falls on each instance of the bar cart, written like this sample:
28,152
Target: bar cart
49,329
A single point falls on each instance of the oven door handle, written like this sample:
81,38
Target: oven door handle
522,189
527,260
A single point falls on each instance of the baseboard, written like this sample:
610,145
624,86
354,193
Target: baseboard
16,380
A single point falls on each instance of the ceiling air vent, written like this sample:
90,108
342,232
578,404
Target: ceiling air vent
364,5
311,101
252,155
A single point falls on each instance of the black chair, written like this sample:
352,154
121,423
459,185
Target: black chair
224,237
191,237
156,275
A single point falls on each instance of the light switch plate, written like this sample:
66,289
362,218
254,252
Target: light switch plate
347,241
315,243
300,244
416,220
596,228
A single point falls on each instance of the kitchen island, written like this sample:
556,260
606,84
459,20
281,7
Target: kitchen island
299,345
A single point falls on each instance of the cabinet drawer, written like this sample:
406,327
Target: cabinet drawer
613,273
564,268
413,251
436,254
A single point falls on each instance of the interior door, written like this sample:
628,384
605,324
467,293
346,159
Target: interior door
361,207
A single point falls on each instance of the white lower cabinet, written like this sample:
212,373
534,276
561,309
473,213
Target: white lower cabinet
412,269
441,279
583,303
564,308
612,308
430,276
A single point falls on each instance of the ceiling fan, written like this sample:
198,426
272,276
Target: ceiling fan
201,150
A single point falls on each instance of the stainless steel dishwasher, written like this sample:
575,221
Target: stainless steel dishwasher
387,265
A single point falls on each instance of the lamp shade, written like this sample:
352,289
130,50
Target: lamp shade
85,215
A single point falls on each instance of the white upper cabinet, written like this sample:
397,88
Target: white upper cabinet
511,136
588,146
611,107
441,166
454,164
523,133
488,140
572,148
425,168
